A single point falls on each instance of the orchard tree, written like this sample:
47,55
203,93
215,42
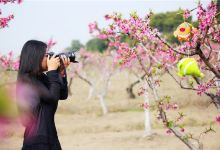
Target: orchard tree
195,50
95,69
85,59
141,62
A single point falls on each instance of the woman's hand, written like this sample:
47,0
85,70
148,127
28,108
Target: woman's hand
66,61
53,63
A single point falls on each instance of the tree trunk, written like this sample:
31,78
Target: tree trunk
69,86
130,91
147,120
103,104
91,92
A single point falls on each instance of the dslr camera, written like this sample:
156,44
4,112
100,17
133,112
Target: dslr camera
70,54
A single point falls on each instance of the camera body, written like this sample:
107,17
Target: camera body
71,55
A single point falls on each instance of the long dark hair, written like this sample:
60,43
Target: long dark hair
31,57
27,86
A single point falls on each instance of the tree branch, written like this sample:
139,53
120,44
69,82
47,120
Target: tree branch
179,83
168,45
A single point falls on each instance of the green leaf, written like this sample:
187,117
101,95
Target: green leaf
170,124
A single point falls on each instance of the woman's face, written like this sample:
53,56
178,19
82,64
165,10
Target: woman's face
44,63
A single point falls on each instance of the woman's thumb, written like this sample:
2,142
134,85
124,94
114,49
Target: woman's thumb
48,57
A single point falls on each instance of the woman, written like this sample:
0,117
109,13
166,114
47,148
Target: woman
38,94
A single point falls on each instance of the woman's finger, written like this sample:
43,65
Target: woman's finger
68,60
53,56
61,57
57,60
65,59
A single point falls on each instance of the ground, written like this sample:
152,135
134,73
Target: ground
81,125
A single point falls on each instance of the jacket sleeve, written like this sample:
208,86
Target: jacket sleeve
64,88
52,93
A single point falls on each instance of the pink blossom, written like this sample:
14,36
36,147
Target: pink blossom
145,105
19,1
15,65
107,17
186,14
10,1
218,119
7,62
125,55
168,131
92,27
114,44
206,16
102,36
175,106
218,93
169,106
202,88
50,44
141,92
4,21
182,130
157,82
215,32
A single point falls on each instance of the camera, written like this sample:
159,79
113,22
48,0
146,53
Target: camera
70,54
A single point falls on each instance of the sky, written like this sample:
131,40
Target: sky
67,20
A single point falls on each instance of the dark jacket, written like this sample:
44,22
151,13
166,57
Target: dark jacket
40,106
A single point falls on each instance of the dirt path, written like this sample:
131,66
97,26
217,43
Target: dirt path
116,131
